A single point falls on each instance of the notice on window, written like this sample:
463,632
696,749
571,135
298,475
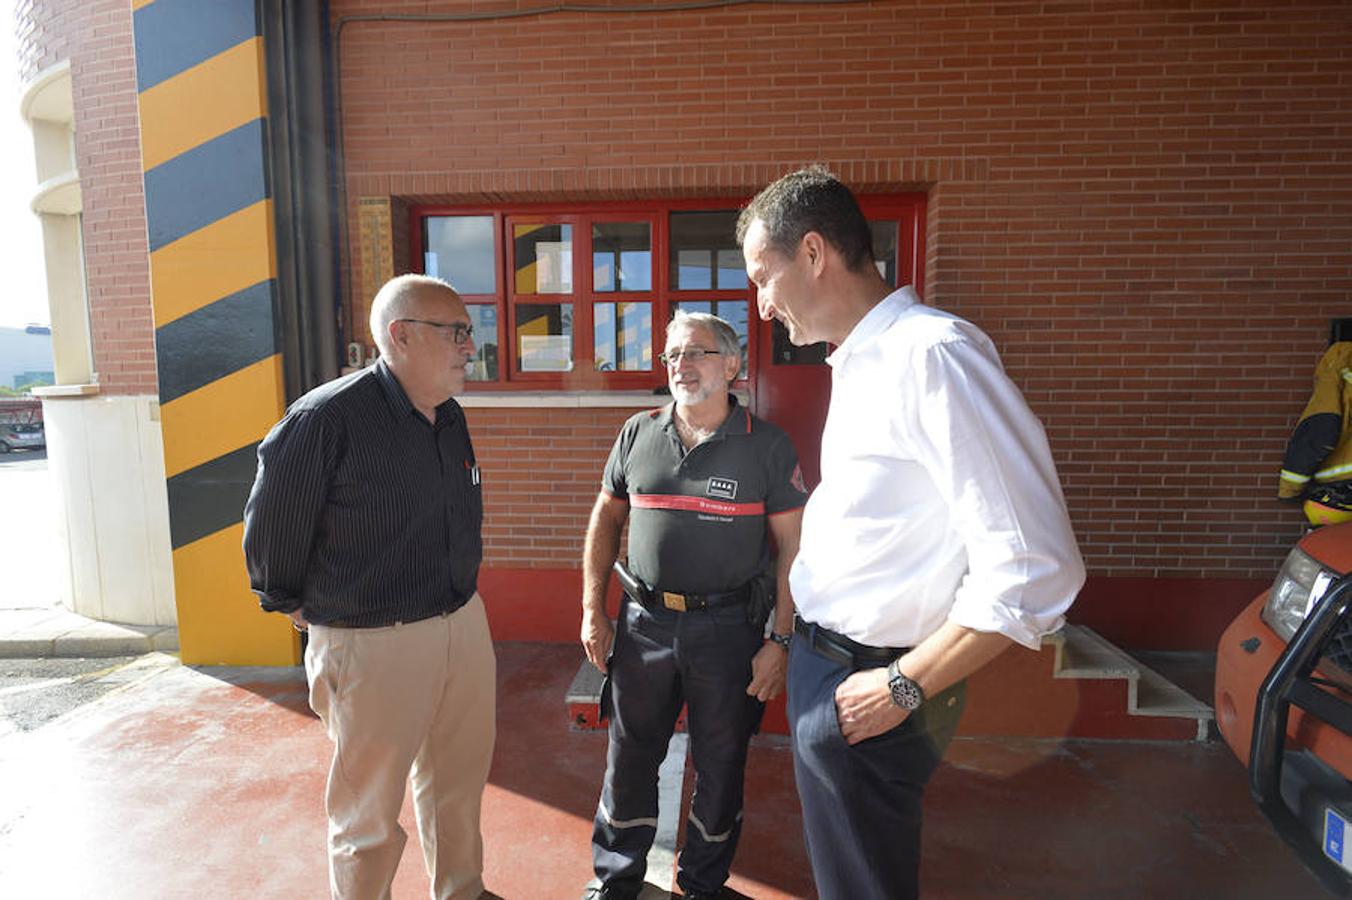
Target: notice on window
546,353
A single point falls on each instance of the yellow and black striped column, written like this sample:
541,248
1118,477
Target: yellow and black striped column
203,110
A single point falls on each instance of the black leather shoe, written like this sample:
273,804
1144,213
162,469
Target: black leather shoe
601,892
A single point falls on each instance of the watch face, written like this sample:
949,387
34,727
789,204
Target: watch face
905,692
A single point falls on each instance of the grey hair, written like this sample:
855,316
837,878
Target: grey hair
724,334
395,300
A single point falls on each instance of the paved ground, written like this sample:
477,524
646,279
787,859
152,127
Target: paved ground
187,783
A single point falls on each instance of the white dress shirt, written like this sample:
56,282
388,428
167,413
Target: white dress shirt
938,500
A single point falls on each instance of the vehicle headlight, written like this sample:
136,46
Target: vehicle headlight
1290,599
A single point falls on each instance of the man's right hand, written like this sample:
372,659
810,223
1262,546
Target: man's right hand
598,633
298,620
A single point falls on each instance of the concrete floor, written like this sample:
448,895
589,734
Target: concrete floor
187,783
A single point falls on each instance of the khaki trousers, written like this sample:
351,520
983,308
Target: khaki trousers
409,702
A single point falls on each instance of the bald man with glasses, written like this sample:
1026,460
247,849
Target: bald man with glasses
708,485
363,527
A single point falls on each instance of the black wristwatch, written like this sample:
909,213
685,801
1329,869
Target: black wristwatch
783,640
906,694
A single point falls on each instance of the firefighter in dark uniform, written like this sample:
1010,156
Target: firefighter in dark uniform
708,484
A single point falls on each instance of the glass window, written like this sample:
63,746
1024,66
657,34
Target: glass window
734,312
786,354
624,337
885,250
460,250
704,252
544,336
484,318
544,258
621,257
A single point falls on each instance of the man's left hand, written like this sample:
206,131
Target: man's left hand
768,668
864,706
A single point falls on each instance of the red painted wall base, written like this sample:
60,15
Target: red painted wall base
1134,613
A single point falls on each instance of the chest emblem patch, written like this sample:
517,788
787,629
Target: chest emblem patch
723,488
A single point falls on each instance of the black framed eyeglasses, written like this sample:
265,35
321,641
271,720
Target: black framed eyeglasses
694,354
459,331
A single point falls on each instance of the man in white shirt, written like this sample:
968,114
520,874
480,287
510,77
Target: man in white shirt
937,539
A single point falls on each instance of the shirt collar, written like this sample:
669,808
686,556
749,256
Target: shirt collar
400,406
874,323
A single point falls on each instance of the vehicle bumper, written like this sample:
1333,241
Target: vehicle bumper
1245,655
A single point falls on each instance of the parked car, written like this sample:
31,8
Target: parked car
1284,701
22,436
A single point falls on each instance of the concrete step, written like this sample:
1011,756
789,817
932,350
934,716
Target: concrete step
1078,685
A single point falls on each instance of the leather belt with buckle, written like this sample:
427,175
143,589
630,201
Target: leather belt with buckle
845,651
687,602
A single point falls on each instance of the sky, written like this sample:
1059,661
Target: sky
23,299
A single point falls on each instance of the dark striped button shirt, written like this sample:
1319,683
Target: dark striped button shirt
363,512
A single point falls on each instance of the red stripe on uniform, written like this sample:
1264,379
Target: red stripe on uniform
695,504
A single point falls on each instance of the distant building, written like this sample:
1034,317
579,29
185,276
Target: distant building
26,357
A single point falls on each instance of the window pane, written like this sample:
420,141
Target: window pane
624,337
622,249
484,318
459,249
544,259
885,250
731,311
704,251
786,354
544,335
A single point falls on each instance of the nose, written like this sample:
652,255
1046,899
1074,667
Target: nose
763,307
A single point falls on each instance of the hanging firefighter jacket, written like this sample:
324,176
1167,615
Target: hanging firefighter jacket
1318,461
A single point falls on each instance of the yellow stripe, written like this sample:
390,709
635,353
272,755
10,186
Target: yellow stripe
224,415
219,622
213,262
203,102
1333,472
137,4
1292,476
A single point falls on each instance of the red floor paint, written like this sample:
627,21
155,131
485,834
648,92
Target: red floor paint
207,784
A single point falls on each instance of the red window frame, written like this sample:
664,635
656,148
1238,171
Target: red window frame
908,209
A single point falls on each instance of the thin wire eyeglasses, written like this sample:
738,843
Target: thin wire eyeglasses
694,354
460,332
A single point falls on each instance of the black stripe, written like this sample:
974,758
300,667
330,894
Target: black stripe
209,497
175,35
216,340
207,183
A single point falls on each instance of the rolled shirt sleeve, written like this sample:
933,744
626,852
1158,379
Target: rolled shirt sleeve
988,457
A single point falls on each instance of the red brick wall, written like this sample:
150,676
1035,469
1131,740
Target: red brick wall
96,36
541,473
1149,209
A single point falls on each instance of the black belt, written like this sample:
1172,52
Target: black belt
690,602
847,652
348,623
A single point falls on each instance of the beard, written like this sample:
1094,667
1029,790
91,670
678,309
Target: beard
687,395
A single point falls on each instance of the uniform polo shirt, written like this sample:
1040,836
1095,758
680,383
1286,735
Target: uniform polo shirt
697,521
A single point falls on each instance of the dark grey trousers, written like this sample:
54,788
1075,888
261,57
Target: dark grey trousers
662,659
862,803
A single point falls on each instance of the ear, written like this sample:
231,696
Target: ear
731,366
398,333
814,246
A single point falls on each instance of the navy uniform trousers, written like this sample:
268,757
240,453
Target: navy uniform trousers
862,802
660,660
